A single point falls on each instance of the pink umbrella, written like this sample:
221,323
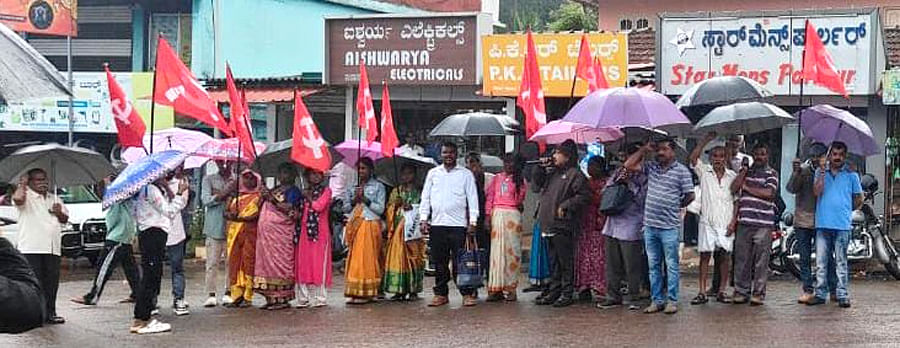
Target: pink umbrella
352,150
629,107
226,150
183,140
558,131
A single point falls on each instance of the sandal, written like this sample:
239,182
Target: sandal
723,298
700,299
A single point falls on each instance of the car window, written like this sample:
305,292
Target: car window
77,194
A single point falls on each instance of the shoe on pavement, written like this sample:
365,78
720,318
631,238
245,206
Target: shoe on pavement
563,301
512,297
154,312
302,304
608,304
56,320
438,301
81,301
739,299
806,297
210,302
653,308
815,301
129,299
699,299
470,300
845,303
671,308
226,299
180,308
634,306
136,325
756,301
494,297
154,326
545,300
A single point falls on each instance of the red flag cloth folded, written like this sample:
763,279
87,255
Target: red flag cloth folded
818,65
364,106
389,141
239,117
531,94
129,124
309,149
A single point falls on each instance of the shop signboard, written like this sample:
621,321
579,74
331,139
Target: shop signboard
91,106
52,17
503,56
405,50
766,48
890,94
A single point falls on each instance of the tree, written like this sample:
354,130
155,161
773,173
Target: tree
519,15
571,16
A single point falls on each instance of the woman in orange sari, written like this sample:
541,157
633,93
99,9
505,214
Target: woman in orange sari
363,236
242,214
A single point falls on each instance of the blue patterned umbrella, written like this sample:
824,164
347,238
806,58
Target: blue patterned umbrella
140,174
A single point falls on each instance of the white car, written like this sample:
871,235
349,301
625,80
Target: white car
83,235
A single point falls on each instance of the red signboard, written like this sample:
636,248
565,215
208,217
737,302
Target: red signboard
53,17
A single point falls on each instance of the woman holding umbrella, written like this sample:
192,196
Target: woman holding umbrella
363,235
405,261
274,267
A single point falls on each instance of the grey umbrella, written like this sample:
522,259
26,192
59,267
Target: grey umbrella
65,166
722,90
743,118
475,124
388,168
25,73
277,153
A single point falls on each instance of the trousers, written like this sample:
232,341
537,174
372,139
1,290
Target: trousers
46,268
113,255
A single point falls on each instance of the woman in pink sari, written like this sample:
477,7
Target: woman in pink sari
274,267
314,243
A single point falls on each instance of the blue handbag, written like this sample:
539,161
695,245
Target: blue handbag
469,259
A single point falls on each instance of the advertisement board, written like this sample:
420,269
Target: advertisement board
91,106
768,49
52,17
891,87
503,56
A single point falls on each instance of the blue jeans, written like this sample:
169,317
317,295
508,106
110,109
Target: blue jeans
831,251
806,239
661,243
176,261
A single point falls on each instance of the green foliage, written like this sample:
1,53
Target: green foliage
573,16
519,15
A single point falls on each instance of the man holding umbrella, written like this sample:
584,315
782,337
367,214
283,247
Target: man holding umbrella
839,193
41,215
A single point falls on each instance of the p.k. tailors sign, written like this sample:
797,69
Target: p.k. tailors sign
767,48
405,50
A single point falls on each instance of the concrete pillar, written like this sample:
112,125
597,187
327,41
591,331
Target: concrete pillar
877,120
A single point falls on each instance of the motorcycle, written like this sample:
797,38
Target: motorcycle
869,238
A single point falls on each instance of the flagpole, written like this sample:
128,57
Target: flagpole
802,82
153,92
572,93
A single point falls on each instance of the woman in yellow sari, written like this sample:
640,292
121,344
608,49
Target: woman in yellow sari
363,236
405,261
242,214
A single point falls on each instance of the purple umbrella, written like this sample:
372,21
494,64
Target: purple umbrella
629,107
352,150
827,124
559,131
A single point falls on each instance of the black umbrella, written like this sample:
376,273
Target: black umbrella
475,124
722,90
387,169
277,153
743,118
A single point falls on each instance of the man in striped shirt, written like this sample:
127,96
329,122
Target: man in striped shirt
754,223
669,188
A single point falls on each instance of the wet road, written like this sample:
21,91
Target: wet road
874,319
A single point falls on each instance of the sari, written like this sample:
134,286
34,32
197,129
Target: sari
405,261
241,244
502,204
274,269
539,262
590,257
363,235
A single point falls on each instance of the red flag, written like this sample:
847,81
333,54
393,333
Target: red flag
585,69
364,106
389,139
601,76
531,95
818,65
309,149
129,124
177,86
239,117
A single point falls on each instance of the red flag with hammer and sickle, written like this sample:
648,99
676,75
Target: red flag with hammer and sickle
129,124
309,149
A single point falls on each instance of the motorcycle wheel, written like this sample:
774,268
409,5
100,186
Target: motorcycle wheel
893,267
789,263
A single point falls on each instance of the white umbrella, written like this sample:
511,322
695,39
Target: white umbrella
65,166
24,73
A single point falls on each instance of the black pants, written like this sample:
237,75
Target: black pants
445,242
625,261
720,256
46,268
153,253
113,255
561,249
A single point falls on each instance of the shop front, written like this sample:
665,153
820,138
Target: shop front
768,47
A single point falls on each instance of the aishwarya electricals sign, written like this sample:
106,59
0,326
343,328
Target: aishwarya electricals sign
405,50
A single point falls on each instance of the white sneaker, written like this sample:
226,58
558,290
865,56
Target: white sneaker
180,308
155,326
154,312
226,299
210,302
318,304
302,304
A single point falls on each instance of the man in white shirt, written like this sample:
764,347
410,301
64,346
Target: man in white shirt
410,146
41,215
448,214
716,213
176,244
155,214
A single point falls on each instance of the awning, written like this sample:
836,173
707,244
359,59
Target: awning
264,94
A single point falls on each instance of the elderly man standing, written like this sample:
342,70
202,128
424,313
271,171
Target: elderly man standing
41,215
214,194
448,213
